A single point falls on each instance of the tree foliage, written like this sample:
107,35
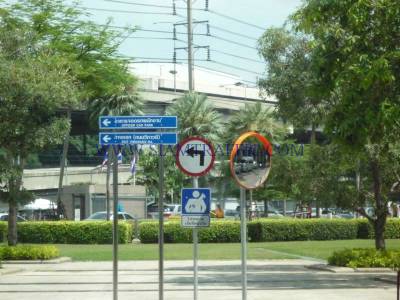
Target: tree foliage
356,57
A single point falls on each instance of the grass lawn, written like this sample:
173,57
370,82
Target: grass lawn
316,249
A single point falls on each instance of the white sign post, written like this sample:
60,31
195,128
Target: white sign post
138,123
195,157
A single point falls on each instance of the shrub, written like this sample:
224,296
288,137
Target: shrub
71,232
218,232
300,230
3,231
28,252
263,230
365,258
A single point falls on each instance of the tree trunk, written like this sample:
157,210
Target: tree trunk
12,223
379,227
284,207
60,206
381,209
14,189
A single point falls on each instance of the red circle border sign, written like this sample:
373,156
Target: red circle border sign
178,151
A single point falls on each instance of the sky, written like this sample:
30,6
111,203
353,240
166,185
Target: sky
233,52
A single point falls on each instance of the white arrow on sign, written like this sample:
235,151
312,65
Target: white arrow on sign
106,122
106,138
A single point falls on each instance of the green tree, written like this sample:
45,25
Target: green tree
196,117
292,79
356,57
91,51
34,85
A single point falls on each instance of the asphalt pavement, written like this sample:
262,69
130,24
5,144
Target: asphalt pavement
267,279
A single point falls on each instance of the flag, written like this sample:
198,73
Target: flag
133,163
105,160
119,158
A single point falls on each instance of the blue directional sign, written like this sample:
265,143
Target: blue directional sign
138,122
196,203
126,138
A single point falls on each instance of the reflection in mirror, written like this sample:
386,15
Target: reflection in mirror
251,163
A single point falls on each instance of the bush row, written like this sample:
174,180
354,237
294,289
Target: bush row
28,252
270,230
70,232
218,232
100,232
365,258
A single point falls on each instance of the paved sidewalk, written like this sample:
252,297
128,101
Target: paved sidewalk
272,279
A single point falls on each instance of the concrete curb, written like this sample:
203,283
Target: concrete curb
334,269
328,268
31,262
9,271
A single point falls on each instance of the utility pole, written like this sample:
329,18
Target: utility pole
190,44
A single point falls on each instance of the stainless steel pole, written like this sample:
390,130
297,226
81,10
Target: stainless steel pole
243,238
195,253
115,224
161,226
190,44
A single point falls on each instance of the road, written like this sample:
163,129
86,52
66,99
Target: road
273,279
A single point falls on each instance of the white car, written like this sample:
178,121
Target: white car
102,215
4,217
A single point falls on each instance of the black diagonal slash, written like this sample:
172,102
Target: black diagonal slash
192,152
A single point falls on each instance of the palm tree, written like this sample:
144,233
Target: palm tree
196,116
255,117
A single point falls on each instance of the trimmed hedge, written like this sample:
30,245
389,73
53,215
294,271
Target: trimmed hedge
3,231
302,230
28,252
365,258
218,232
71,232
264,230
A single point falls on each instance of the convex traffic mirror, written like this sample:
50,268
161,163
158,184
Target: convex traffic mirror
250,160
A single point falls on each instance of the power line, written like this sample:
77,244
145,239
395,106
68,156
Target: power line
198,9
235,19
124,11
146,38
150,30
232,42
237,68
234,33
238,56
151,5
226,53
158,58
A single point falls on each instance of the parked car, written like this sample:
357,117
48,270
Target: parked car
4,217
169,210
102,215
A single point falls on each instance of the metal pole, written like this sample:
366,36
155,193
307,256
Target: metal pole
398,285
195,253
161,226
190,44
243,239
115,224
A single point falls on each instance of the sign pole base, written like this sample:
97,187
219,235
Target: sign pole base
243,239
195,252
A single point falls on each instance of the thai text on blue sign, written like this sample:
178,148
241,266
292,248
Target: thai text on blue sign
144,138
196,203
138,122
